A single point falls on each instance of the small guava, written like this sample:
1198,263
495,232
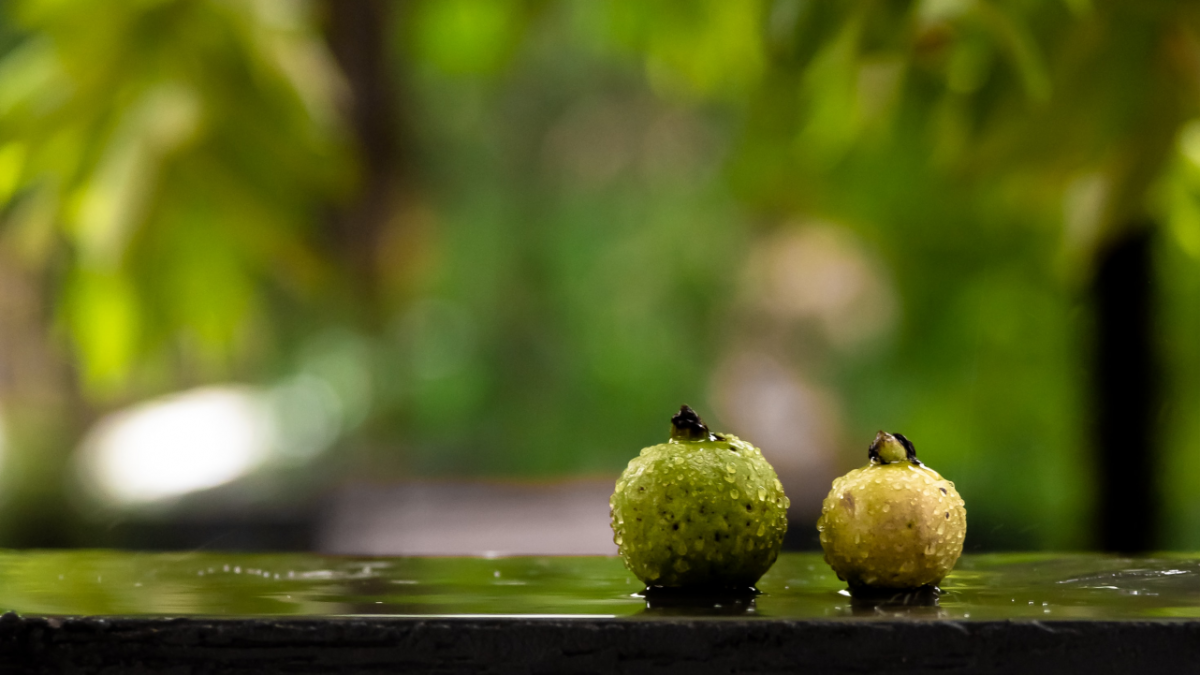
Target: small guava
893,524
701,510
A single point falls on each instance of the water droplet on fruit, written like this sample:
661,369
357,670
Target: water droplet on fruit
762,494
678,461
733,493
730,468
620,485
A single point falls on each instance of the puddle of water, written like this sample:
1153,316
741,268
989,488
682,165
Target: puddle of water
799,586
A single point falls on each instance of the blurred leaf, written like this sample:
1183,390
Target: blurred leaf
152,135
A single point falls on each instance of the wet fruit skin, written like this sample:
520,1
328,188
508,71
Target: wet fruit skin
702,510
893,524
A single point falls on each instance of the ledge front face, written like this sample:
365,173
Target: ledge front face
694,647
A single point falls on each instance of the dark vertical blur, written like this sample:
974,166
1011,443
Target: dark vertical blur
1126,393
358,33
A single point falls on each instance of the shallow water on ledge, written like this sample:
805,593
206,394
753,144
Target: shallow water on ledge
799,586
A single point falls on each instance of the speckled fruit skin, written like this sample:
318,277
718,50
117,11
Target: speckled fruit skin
700,514
895,525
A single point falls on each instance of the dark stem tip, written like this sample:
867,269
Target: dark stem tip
910,450
686,425
882,440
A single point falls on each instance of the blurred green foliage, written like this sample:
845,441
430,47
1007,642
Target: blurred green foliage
588,187
166,160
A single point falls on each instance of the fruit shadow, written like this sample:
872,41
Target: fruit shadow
914,602
699,602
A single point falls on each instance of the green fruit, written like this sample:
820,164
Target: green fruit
701,510
895,523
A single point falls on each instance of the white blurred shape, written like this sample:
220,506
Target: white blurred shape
1083,213
470,518
1189,141
178,444
308,417
342,360
821,273
794,422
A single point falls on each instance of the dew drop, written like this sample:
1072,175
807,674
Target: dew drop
762,494
733,493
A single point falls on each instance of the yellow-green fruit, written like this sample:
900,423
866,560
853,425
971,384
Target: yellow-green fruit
701,510
895,523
